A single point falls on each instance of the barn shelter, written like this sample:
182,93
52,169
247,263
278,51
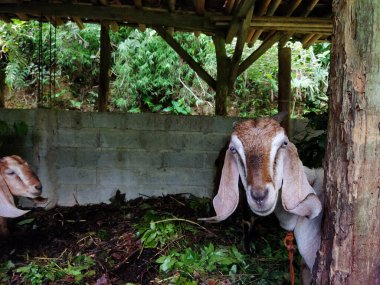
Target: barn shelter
270,21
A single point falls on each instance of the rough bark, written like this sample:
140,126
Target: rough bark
350,250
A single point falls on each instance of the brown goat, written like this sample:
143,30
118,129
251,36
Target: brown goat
16,179
261,156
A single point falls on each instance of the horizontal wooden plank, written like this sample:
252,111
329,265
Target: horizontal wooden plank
123,13
208,23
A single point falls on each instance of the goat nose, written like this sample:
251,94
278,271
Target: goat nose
259,196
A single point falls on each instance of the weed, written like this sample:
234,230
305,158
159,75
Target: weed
75,271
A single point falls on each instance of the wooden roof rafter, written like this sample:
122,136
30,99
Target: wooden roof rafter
239,17
186,57
275,37
210,17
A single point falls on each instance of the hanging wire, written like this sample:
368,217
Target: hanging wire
40,77
50,63
55,56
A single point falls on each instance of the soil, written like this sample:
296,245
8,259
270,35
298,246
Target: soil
108,230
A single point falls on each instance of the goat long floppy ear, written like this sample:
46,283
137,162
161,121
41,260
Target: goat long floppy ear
8,208
298,197
227,199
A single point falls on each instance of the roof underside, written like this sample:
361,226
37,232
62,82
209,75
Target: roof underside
308,21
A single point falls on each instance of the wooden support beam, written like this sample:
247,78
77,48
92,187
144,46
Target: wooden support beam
138,4
105,67
223,63
271,10
310,6
261,11
186,57
200,7
259,52
57,21
304,13
238,19
239,47
263,7
273,7
227,69
171,5
311,41
306,39
79,22
284,84
22,16
292,7
229,6
3,85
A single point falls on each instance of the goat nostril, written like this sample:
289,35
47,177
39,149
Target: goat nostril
260,196
38,187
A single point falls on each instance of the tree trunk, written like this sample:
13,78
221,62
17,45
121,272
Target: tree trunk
350,250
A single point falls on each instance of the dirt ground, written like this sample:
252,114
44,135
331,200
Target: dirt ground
108,232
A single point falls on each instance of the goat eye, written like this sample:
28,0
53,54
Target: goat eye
10,172
284,144
233,149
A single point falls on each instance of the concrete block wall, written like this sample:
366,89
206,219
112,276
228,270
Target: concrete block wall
84,158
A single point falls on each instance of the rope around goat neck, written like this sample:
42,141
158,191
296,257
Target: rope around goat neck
288,242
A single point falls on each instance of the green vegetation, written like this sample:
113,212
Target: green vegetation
181,261
147,75
146,241
72,269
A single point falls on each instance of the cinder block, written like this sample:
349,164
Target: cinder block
145,121
126,177
129,158
66,157
75,175
183,159
77,138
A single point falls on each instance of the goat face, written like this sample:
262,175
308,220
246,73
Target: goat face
256,147
21,180
261,154
17,179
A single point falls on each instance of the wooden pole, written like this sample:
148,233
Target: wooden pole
223,81
284,80
105,65
186,57
3,86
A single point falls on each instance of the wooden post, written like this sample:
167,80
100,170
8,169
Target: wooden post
350,247
284,80
3,86
105,64
223,81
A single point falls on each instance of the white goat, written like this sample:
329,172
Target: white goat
16,179
274,180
